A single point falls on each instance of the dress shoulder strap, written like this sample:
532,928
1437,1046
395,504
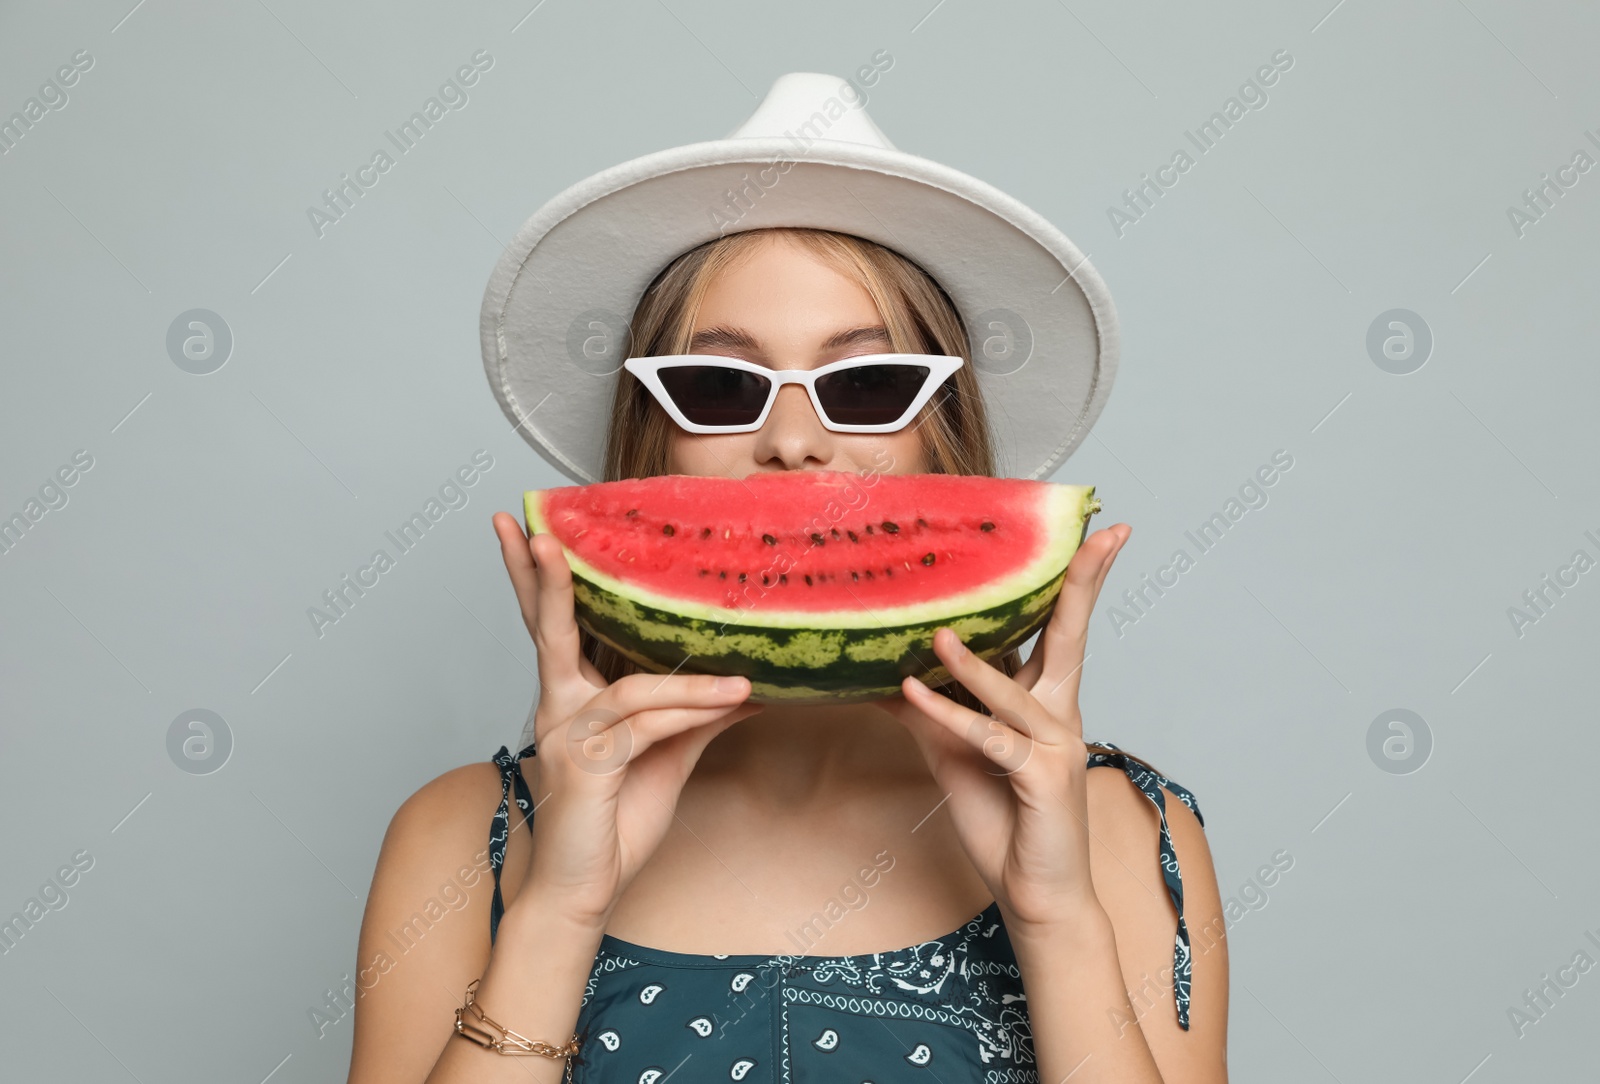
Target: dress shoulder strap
1150,783
500,827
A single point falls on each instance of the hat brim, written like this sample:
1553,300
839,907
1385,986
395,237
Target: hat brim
1041,326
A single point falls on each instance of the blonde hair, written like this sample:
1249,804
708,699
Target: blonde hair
918,315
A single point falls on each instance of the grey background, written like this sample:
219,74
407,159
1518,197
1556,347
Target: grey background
1378,575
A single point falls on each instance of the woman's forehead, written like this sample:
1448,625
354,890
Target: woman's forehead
781,298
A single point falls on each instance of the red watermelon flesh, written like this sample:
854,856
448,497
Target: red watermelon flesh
787,544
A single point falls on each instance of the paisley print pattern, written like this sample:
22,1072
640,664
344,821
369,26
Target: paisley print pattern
947,1010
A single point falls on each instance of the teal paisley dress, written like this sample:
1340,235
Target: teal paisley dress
946,1011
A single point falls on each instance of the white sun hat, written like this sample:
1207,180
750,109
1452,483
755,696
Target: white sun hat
1041,328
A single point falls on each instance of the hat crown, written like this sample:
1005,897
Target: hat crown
806,106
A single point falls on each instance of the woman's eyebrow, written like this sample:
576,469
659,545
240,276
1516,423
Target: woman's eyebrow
875,334
732,338
724,338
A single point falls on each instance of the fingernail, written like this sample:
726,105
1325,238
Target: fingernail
728,684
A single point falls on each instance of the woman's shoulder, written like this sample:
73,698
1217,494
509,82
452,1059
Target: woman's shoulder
448,836
1138,776
1146,833
455,809
1134,809
450,827
445,805
429,906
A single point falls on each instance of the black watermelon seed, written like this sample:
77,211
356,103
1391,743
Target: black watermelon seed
633,512
889,571
869,573
817,539
869,528
705,532
722,575
769,540
783,579
741,577
890,527
834,531
985,526
852,535
705,572
927,558
808,581
764,581
668,530
853,577
921,522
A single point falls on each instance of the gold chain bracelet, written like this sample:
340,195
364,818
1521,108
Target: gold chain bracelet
509,1042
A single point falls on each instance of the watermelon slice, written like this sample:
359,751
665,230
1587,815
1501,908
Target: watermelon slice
819,586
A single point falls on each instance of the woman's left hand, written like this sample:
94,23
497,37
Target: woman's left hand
1016,780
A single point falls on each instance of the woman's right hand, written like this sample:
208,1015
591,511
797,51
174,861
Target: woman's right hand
612,758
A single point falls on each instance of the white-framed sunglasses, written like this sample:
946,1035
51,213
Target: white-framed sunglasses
872,393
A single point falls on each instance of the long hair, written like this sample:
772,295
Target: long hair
919,317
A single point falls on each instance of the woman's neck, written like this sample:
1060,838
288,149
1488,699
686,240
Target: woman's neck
791,755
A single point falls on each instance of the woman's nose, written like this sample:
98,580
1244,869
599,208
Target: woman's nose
793,435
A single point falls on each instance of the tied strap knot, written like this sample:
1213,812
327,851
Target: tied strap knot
500,827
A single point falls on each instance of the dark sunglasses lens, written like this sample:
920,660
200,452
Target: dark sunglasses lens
716,394
870,394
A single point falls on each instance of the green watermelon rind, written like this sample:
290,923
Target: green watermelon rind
834,665
858,656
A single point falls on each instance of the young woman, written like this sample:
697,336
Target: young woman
1009,914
